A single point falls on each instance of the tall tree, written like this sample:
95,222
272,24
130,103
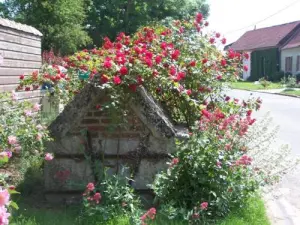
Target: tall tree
60,21
108,17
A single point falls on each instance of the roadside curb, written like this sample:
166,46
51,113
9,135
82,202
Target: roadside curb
266,92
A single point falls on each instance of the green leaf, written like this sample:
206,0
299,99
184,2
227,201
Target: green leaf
14,205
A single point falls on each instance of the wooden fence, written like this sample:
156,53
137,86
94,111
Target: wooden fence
20,53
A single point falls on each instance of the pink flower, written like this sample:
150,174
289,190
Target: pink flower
107,64
39,127
36,107
189,92
245,68
49,156
28,112
204,205
39,137
4,215
12,140
4,197
90,186
17,148
97,197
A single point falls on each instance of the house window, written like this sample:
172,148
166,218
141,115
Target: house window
288,64
298,63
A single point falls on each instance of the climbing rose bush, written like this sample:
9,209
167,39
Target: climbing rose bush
211,172
179,65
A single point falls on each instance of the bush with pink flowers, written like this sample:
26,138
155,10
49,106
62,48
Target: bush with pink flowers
22,133
211,172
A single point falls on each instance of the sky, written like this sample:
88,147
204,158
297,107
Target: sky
227,16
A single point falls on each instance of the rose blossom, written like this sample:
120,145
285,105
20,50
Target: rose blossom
90,186
97,197
39,137
49,156
204,205
4,216
36,107
39,127
4,197
12,140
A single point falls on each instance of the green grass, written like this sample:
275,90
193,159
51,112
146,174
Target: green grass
291,92
243,85
253,214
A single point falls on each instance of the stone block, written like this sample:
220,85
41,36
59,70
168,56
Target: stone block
68,145
110,146
67,175
146,173
161,146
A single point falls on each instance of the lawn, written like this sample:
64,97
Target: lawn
254,213
243,85
291,92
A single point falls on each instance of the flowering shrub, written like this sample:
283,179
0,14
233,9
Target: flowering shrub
177,64
111,198
22,133
211,172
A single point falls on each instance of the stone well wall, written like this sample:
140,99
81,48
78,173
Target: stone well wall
135,146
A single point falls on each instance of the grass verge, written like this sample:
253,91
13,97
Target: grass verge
254,213
291,92
243,85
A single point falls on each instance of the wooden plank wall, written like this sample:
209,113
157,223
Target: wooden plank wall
21,54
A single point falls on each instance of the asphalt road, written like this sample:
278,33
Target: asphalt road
284,205
285,112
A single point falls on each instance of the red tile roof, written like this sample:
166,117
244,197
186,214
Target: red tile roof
264,37
294,42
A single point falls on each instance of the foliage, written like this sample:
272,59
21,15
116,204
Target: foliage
112,197
108,18
211,167
22,133
253,213
61,22
291,92
290,81
264,82
22,137
179,66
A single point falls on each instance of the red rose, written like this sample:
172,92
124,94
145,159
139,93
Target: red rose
175,54
218,35
245,68
223,62
22,77
204,61
189,92
193,63
117,80
140,80
107,64
206,23
246,55
199,17
123,70
98,106
27,89
223,41
158,59
132,87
